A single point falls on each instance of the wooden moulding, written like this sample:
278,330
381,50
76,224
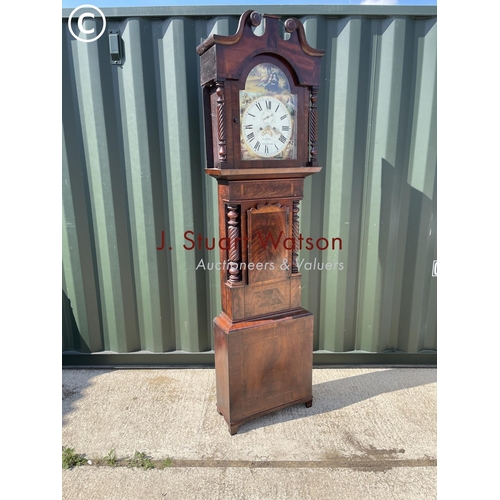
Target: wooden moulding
262,173
244,44
259,189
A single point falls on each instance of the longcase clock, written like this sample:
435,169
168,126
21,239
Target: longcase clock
260,114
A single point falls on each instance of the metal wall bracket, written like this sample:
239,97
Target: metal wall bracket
115,47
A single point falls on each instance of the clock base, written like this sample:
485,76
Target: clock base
262,365
233,427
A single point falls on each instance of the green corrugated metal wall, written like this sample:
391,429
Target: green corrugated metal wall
133,160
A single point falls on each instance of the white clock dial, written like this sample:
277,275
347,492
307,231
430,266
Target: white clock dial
266,126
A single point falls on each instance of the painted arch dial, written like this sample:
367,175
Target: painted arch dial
267,127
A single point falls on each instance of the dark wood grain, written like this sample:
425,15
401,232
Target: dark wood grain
265,298
267,229
295,290
234,50
266,189
221,122
295,235
225,64
263,173
234,239
263,338
313,127
252,358
271,224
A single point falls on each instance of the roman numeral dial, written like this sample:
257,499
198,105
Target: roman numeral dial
266,128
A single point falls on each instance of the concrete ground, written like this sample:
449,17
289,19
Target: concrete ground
370,434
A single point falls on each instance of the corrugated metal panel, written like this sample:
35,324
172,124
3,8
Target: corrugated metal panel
133,168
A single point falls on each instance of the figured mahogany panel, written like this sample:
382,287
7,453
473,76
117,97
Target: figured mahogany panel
263,364
267,228
267,298
268,352
265,189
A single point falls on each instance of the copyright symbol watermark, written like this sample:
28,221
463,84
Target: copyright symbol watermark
89,11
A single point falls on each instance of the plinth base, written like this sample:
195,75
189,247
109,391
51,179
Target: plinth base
263,365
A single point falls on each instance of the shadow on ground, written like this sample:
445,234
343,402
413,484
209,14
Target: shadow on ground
328,396
336,394
74,384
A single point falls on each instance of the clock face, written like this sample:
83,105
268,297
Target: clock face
266,127
267,115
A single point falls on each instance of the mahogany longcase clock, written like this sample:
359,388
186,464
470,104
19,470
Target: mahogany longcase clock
260,113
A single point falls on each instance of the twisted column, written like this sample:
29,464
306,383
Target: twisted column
221,121
313,125
295,236
233,233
